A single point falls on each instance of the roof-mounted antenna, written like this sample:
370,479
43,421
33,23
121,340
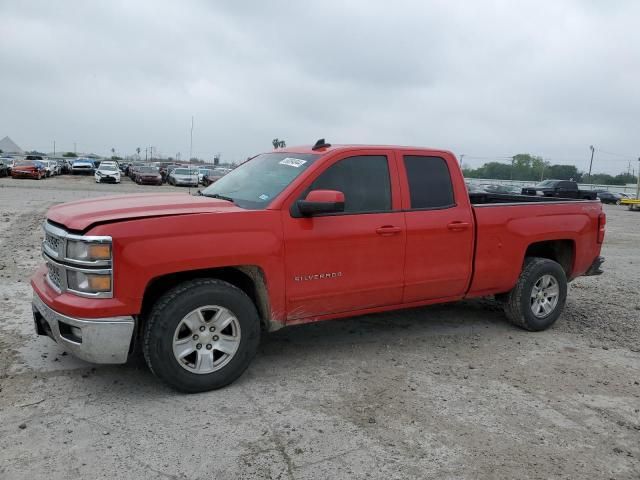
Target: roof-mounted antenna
321,144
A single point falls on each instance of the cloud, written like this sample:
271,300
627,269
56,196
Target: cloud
485,79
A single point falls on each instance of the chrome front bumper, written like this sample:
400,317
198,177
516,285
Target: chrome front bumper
103,340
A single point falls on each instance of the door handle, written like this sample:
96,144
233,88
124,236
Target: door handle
388,230
458,226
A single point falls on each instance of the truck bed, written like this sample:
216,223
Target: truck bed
507,224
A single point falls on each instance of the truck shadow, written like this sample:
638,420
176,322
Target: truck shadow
304,348
466,319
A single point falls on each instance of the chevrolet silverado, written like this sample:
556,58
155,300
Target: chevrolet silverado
294,236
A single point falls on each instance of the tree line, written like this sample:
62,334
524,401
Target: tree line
528,167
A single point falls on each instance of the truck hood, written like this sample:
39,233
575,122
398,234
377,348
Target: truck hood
83,214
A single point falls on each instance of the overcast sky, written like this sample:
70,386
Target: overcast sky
485,79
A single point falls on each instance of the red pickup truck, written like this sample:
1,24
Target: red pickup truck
293,236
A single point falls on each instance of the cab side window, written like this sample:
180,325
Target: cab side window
430,184
364,180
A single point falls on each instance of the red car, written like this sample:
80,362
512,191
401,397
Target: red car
294,236
148,176
29,169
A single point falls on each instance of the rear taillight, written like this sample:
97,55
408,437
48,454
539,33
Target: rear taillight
602,222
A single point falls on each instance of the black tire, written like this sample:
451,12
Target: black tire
517,304
168,312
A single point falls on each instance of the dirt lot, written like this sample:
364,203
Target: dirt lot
443,392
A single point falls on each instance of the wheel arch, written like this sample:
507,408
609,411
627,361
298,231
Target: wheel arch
248,278
560,251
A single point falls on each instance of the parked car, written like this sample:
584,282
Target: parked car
183,176
42,160
107,172
171,168
49,168
67,166
29,169
59,165
52,167
148,176
609,197
295,236
83,166
131,172
505,189
475,188
202,172
163,169
8,162
213,176
559,189
4,168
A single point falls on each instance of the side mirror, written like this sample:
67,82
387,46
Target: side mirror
321,201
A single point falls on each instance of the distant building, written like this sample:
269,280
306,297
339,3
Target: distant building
9,146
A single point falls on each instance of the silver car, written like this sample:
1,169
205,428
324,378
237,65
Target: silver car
183,176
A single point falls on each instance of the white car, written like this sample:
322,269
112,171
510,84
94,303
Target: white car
107,172
54,167
183,176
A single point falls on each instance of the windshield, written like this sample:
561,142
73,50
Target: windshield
109,168
26,163
184,171
255,183
148,169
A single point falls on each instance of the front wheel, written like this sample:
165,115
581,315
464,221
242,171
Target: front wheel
539,296
201,335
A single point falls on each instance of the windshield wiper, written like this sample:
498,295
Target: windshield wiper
217,195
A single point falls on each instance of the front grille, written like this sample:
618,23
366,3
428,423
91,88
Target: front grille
58,264
52,242
55,275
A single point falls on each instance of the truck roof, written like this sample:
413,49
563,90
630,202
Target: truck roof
346,147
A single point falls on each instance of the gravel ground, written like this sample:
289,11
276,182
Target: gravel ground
449,391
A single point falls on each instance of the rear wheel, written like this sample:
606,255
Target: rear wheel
201,335
539,296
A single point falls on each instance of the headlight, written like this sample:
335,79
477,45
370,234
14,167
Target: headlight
88,252
88,282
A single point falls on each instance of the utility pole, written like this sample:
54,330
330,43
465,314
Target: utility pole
191,141
151,153
145,154
591,162
638,187
54,148
542,173
513,159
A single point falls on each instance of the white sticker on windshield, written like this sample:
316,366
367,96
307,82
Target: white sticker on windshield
264,196
293,162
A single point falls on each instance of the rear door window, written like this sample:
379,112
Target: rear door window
429,182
